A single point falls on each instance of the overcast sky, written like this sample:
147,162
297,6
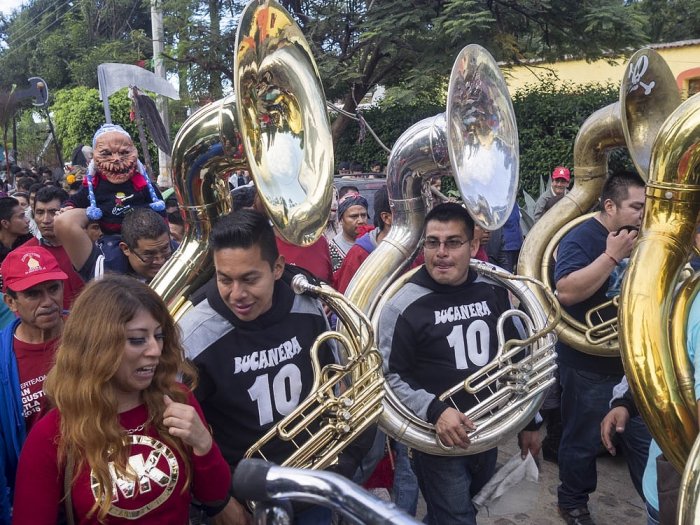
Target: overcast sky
6,6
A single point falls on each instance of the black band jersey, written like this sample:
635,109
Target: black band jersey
434,336
253,374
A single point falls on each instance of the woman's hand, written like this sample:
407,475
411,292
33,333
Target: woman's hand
183,421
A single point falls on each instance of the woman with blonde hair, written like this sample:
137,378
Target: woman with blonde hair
126,443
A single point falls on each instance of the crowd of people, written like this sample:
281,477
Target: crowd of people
114,412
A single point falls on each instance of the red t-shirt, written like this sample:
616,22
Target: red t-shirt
71,286
315,258
155,498
33,363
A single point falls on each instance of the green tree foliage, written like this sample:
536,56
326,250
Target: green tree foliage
78,113
549,118
63,42
670,20
363,43
388,123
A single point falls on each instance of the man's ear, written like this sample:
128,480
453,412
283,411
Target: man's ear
278,267
386,217
609,206
10,302
474,247
124,248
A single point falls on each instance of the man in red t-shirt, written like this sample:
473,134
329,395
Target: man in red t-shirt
33,288
47,203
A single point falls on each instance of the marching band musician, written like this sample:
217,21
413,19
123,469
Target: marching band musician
250,340
436,331
587,257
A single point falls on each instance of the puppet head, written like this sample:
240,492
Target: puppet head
114,153
116,159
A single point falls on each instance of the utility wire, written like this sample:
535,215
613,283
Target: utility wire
30,24
20,46
359,118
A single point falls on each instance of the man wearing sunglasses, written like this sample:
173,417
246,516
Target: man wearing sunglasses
144,248
435,332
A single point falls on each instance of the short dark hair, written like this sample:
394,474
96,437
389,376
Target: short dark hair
50,193
7,207
243,197
24,183
347,189
35,187
616,187
451,211
381,205
244,229
142,223
174,217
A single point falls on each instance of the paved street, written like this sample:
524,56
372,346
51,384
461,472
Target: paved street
614,503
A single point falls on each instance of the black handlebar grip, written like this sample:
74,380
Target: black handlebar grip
250,480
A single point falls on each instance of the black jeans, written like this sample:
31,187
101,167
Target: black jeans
585,400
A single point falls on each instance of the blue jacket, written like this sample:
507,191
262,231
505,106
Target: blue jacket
12,427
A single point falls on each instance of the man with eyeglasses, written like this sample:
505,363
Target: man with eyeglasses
144,247
435,332
47,203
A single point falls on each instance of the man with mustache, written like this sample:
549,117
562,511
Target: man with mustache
33,288
436,331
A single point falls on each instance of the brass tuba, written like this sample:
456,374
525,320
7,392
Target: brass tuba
476,141
651,327
276,126
648,94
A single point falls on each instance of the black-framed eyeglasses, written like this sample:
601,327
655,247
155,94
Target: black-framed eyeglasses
450,244
151,257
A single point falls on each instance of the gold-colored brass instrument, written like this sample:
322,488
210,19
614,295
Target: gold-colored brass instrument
688,497
277,127
206,149
345,399
285,130
651,349
648,94
476,142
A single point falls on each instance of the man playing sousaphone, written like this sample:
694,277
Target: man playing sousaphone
587,257
250,339
435,332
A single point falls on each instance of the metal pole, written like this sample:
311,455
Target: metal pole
164,177
55,142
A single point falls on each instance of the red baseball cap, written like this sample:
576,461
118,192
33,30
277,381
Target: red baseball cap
560,172
28,266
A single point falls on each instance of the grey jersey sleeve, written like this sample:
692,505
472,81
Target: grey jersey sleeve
394,336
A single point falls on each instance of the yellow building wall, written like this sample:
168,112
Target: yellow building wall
680,59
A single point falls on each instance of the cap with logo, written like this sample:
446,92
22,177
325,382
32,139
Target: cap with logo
560,172
28,266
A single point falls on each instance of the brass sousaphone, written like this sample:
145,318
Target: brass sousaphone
477,143
648,94
277,127
653,318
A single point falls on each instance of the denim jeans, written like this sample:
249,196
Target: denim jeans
585,401
449,483
405,493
